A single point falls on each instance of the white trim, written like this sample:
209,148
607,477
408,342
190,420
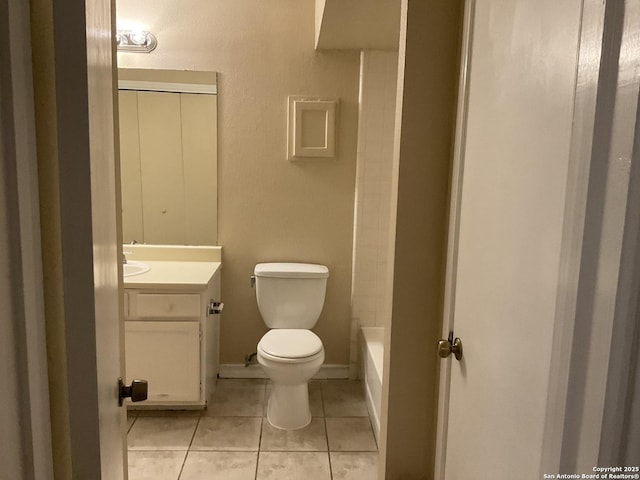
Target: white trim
138,85
373,415
453,238
620,437
238,370
573,231
604,280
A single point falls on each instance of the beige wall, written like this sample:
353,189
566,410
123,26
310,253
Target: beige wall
269,209
427,86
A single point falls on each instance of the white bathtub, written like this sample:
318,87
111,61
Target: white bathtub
371,355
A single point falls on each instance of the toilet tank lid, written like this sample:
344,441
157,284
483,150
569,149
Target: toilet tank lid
291,270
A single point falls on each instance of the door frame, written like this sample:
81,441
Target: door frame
31,421
48,435
604,308
579,360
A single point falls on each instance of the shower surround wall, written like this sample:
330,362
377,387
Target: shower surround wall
371,297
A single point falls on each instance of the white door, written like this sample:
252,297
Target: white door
107,252
516,152
88,222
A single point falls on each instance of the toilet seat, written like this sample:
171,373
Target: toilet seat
290,345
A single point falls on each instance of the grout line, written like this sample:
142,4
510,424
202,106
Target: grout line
326,431
221,450
184,460
189,447
262,417
135,417
294,451
354,451
157,449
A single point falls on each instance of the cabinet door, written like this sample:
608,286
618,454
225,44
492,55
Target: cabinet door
167,355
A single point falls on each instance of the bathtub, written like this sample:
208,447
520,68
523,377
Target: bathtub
371,354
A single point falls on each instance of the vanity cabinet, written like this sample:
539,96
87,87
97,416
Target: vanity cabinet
167,355
172,341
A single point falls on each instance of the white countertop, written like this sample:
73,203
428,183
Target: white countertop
174,275
173,267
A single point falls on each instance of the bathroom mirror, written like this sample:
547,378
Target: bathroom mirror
168,156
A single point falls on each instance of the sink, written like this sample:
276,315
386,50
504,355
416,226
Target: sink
132,268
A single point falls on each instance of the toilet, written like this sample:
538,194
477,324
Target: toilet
290,298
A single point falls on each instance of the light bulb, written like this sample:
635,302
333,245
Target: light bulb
138,37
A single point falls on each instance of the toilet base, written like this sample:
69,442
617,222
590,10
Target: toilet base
288,407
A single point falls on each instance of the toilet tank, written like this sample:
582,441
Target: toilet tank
290,295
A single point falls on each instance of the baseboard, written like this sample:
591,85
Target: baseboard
238,370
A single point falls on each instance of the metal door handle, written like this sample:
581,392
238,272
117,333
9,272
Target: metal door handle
446,348
137,391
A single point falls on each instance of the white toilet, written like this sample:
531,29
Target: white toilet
290,298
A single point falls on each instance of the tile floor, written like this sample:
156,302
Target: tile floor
232,439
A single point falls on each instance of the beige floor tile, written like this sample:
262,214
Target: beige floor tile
293,466
161,433
343,398
130,421
354,465
220,465
311,438
237,398
228,433
315,399
267,394
155,465
352,434
169,413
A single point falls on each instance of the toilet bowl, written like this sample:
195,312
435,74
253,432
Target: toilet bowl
290,357
290,298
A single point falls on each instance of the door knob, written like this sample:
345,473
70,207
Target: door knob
137,391
446,348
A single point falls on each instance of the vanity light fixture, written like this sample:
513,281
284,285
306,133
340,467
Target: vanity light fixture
135,41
